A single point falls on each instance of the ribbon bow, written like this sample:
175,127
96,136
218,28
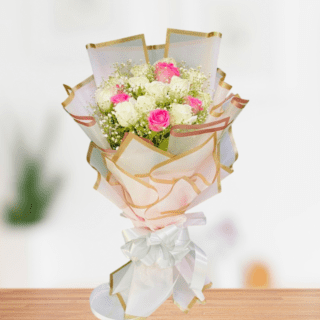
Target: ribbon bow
165,247
162,263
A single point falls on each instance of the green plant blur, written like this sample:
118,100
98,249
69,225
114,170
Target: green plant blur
34,191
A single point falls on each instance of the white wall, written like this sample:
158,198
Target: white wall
269,209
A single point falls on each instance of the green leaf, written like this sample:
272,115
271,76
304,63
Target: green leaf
164,144
152,135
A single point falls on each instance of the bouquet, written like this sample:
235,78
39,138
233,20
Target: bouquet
160,122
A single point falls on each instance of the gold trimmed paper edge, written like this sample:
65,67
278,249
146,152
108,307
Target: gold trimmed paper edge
123,304
225,85
227,169
189,33
194,300
180,211
233,145
68,89
180,156
74,89
156,46
170,213
223,74
111,276
221,103
216,153
122,40
190,305
131,136
89,153
236,101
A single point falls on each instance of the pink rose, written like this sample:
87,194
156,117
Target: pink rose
158,119
194,103
165,71
120,97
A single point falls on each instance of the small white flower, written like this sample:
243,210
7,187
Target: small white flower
126,114
145,104
181,114
195,76
178,85
157,89
140,70
167,60
111,82
138,81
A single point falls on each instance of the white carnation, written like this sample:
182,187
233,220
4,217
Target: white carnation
180,86
181,114
126,113
145,104
102,97
138,81
140,70
157,89
167,60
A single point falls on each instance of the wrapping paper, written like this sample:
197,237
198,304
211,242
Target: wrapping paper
156,188
162,263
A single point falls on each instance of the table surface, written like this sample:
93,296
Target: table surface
222,304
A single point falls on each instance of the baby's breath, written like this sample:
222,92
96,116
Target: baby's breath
118,81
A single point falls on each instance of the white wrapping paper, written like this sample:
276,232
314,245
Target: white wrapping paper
156,188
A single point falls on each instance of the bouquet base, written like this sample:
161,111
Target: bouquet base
162,263
104,306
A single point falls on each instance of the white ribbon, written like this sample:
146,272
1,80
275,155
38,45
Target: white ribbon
165,247
162,262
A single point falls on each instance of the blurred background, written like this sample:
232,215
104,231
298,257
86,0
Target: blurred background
262,230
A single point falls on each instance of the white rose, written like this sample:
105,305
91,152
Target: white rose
181,114
126,113
157,89
140,70
138,81
132,100
167,60
178,85
205,98
145,104
102,97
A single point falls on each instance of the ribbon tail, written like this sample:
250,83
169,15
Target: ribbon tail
199,272
183,296
195,219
